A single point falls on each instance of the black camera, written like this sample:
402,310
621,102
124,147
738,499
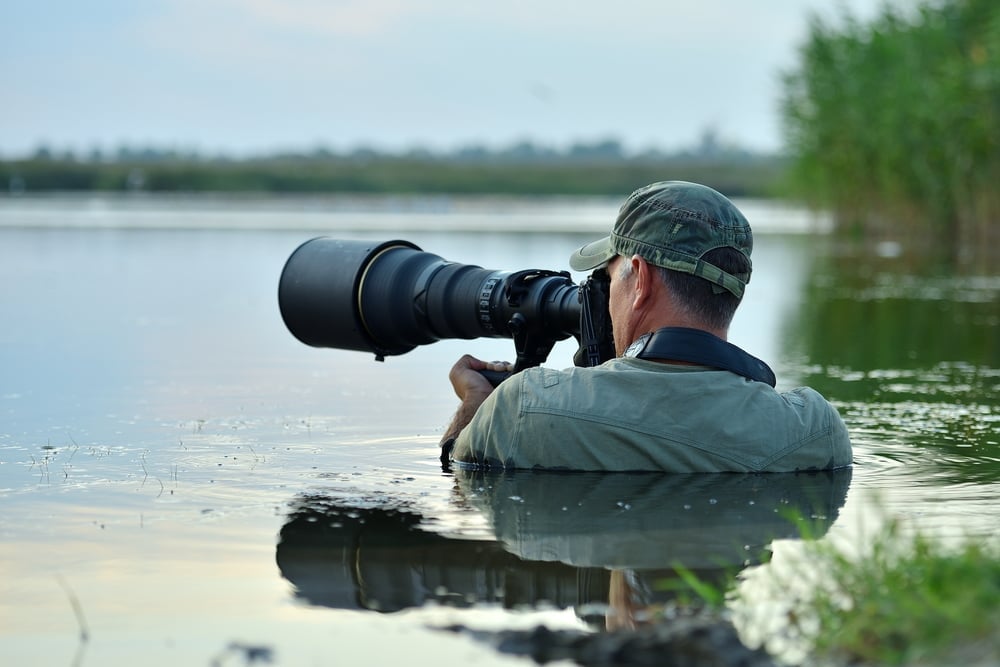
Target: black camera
390,297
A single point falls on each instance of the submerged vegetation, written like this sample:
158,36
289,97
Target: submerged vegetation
895,125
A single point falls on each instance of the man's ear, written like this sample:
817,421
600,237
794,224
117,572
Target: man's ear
643,290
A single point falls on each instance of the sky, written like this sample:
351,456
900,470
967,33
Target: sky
246,77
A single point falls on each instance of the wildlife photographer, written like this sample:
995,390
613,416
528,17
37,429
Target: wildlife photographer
677,397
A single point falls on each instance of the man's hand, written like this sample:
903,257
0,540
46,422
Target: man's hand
467,381
472,388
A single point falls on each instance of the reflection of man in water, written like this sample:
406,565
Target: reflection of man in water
557,538
678,259
605,544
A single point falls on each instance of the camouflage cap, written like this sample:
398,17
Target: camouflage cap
673,224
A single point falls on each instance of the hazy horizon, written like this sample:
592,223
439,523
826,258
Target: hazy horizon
244,77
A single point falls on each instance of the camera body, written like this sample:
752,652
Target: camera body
390,297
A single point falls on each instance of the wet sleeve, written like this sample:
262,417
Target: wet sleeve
490,439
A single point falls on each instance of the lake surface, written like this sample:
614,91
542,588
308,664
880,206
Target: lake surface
183,482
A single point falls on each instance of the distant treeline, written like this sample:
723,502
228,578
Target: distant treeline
895,125
708,147
523,168
530,173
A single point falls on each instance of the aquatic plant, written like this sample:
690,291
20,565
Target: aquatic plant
896,599
895,124
928,605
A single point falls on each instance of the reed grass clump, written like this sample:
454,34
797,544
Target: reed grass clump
915,602
896,599
894,125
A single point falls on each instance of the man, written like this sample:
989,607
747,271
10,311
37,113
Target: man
678,397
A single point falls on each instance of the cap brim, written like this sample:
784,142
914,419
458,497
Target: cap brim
592,255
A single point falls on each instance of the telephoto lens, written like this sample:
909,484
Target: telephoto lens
390,297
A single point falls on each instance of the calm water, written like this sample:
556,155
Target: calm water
186,483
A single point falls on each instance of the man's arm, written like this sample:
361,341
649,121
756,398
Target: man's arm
472,388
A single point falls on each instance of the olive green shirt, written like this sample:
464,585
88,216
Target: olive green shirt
630,414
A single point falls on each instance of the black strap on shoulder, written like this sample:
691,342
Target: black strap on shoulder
702,348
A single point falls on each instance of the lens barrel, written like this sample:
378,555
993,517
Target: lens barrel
389,297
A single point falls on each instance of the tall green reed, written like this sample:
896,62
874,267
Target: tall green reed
894,124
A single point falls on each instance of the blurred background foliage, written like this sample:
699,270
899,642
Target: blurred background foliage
376,174
894,125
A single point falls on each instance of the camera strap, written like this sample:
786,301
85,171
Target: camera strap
702,348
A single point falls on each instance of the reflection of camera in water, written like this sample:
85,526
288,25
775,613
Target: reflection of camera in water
387,559
388,298
558,538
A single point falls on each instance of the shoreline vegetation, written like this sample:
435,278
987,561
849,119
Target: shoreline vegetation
525,169
897,598
894,124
